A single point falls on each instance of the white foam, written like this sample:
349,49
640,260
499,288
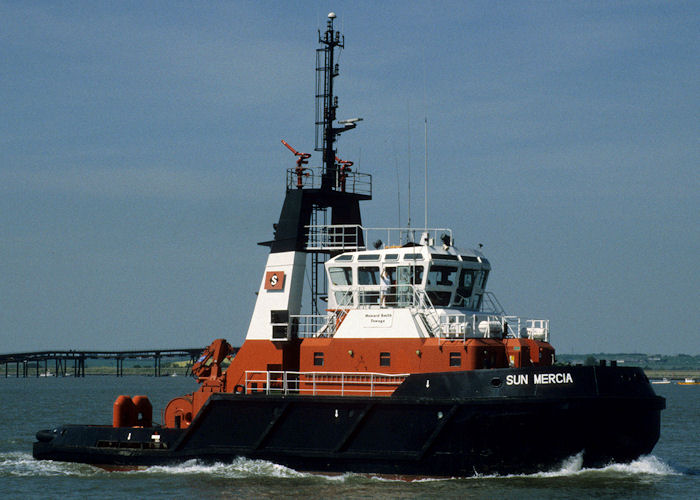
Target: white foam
239,468
23,464
573,466
648,464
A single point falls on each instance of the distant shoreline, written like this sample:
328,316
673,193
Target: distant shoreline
672,374
180,371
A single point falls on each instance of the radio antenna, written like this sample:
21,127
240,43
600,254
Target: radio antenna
398,185
425,108
408,140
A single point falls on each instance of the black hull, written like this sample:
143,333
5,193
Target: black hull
446,424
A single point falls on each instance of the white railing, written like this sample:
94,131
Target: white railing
480,325
322,383
313,325
353,237
439,323
423,306
535,329
369,296
483,325
338,237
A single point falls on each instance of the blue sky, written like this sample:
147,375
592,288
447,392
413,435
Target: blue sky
141,162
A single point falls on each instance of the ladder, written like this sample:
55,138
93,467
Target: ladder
318,259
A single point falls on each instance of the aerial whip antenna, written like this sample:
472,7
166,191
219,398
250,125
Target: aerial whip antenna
398,184
408,140
425,108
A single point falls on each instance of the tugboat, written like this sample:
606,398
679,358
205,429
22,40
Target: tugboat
406,365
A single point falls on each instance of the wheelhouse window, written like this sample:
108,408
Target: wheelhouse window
444,256
455,359
465,285
484,277
441,275
384,359
466,279
407,275
413,256
469,258
340,276
368,256
318,359
417,275
368,275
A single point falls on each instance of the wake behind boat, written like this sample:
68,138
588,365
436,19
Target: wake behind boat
405,365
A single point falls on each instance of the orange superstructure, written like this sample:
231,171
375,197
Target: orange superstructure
431,315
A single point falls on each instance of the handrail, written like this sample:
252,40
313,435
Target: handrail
312,178
314,325
432,318
491,303
322,383
439,323
348,237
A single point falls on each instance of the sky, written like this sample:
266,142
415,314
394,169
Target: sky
140,159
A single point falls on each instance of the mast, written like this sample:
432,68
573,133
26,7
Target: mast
327,103
318,203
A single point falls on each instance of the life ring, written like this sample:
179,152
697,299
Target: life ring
238,389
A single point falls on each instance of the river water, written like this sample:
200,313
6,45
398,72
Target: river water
28,405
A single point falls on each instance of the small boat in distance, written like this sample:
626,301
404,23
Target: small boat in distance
689,381
662,381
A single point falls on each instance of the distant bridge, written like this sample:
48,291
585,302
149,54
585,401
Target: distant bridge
37,363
